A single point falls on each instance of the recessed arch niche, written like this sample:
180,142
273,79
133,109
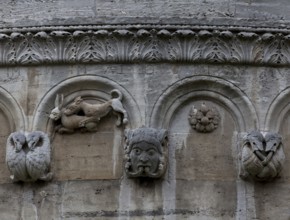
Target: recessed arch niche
278,120
12,119
204,165
90,155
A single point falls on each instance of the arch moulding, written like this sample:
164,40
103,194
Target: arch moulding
217,90
86,86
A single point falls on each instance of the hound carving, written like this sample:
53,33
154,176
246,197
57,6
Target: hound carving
69,123
94,112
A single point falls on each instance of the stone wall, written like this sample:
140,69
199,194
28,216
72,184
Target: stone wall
164,57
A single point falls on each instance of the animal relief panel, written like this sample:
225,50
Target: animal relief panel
88,137
85,116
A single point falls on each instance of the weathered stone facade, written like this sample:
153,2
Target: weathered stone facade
228,59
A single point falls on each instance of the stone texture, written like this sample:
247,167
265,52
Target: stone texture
60,12
201,181
202,178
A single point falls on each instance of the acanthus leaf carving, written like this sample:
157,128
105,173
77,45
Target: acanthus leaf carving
92,46
184,46
7,50
246,48
149,49
122,46
146,43
277,49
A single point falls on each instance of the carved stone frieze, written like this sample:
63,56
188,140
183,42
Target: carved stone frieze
144,43
71,119
204,119
262,156
145,152
28,156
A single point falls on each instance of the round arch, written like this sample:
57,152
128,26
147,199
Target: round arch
211,88
277,110
88,85
12,110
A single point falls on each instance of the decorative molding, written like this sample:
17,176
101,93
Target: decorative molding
28,156
145,152
144,43
262,157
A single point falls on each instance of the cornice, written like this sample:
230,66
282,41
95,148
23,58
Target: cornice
145,43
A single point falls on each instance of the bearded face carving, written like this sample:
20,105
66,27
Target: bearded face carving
145,152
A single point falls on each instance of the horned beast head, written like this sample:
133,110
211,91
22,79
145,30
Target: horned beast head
145,152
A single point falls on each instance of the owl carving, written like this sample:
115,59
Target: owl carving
16,156
28,156
38,156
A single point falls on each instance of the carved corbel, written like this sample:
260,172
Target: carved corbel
145,152
262,157
28,156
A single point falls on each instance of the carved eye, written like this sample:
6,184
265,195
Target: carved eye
275,144
137,151
254,143
151,152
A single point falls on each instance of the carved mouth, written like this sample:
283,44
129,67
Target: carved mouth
143,168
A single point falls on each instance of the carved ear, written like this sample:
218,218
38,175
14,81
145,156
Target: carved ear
128,134
162,135
60,101
56,101
78,100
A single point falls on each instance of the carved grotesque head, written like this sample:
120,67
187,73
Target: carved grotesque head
145,152
262,156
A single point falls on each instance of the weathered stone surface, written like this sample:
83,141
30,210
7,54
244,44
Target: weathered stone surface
97,155
269,200
60,12
206,199
161,71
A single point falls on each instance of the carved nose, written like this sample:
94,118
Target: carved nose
143,158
